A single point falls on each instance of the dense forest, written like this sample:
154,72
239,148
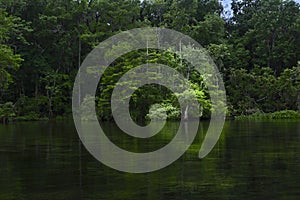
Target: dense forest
43,43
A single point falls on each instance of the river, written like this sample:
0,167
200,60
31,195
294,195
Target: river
252,160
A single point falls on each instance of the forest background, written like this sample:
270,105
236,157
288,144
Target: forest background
256,48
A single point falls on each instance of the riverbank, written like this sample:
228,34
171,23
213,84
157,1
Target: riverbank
284,114
32,118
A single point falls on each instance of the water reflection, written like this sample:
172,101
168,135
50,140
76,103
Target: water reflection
252,160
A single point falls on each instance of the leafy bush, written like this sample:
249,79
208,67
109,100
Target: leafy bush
158,111
32,116
285,114
87,108
7,110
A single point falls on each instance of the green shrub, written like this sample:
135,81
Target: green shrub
284,114
32,116
7,110
158,111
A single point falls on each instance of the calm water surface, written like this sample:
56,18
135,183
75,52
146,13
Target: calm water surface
252,160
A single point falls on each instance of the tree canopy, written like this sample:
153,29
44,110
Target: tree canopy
42,44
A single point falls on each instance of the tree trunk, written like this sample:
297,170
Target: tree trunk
186,114
36,90
4,120
79,63
298,100
49,95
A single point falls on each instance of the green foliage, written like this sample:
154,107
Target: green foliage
27,106
42,44
55,85
144,97
87,108
284,114
9,61
268,30
7,110
31,116
162,111
209,31
260,90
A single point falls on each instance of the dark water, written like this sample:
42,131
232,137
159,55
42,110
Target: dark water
252,160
